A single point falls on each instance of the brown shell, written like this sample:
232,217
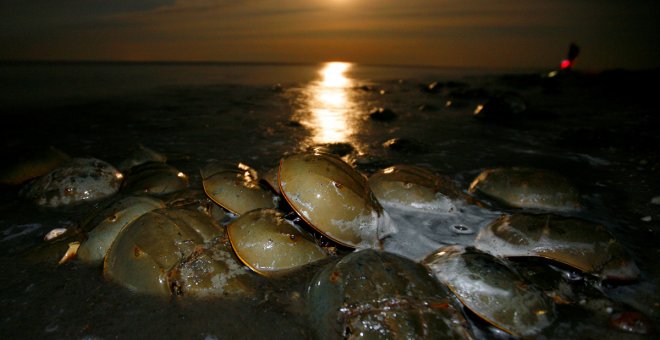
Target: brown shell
333,198
527,188
267,243
581,244
235,188
414,187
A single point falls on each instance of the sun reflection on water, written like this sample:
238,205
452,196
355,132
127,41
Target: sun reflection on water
329,104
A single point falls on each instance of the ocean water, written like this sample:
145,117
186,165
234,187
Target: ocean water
597,129
46,83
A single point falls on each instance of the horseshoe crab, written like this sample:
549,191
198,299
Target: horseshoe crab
32,165
578,243
78,180
196,199
236,189
212,270
492,290
152,254
271,179
527,188
374,294
109,222
141,155
154,178
340,149
268,244
581,296
406,145
333,198
414,187
383,114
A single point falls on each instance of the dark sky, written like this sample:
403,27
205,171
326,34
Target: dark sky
472,33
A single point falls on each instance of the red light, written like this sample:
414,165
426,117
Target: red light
565,64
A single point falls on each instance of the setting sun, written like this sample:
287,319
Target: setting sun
333,74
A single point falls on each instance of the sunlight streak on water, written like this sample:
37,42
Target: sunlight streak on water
329,104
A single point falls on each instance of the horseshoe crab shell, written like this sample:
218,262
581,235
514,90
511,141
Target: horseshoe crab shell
527,188
580,296
236,189
211,271
155,178
270,178
31,165
578,243
493,291
109,222
414,187
267,243
145,250
375,294
141,155
333,198
75,181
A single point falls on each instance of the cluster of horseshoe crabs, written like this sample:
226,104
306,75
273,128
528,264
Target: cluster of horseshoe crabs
483,279
536,230
161,238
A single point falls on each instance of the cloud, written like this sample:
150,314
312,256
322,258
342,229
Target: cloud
56,8
300,29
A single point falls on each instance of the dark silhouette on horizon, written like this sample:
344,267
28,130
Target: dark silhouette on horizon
573,51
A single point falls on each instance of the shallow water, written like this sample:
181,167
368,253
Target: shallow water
599,130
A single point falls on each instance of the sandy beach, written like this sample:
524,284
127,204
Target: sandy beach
598,129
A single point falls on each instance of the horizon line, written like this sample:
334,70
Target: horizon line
256,63
301,63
